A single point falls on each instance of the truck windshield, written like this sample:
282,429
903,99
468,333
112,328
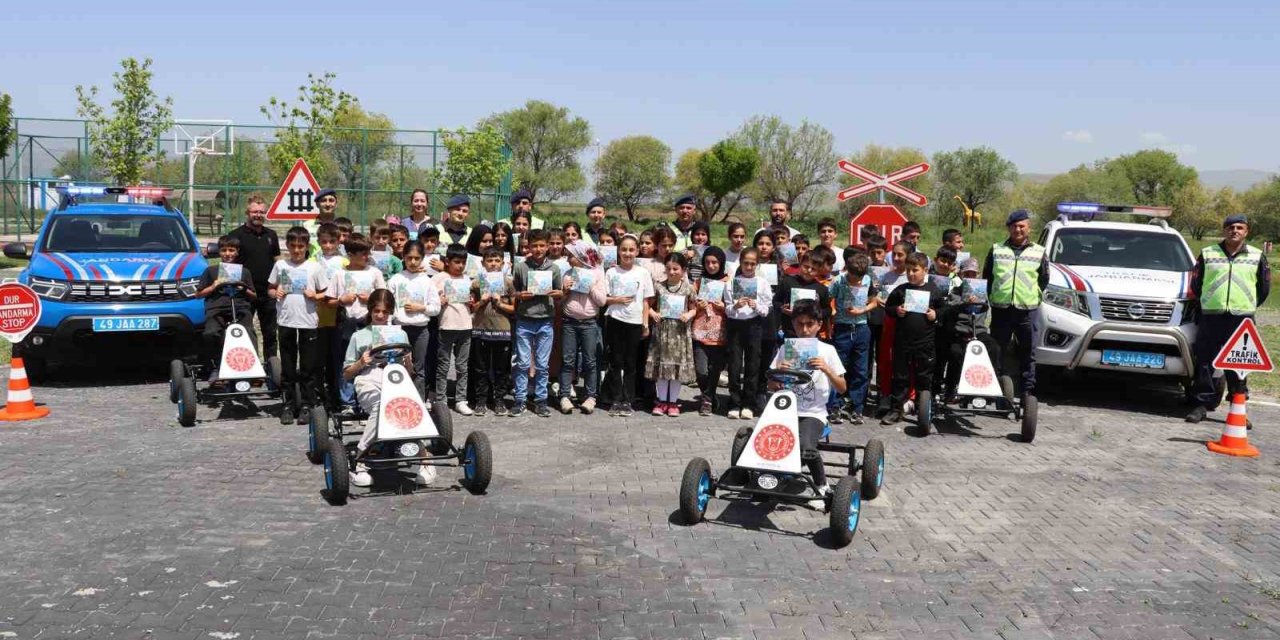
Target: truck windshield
1123,248
88,233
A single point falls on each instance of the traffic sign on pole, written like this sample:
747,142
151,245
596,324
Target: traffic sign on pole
887,218
1244,352
877,182
296,199
19,311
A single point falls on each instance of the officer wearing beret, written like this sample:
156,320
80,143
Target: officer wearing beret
595,221
686,207
454,228
1017,272
1231,280
522,202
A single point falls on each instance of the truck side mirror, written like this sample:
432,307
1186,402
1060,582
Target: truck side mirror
210,250
16,250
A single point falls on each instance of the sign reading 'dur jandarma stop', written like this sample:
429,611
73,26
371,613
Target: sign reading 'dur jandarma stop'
19,311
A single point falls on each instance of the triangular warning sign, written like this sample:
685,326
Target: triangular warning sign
1244,351
296,199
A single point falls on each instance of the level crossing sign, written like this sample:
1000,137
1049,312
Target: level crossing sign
296,199
876,182
1244,352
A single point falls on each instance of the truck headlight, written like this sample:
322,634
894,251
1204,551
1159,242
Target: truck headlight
49,288
1064,298
190,287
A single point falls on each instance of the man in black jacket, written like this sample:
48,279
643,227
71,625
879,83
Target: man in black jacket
259,249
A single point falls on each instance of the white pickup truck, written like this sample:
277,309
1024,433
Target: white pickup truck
1119,293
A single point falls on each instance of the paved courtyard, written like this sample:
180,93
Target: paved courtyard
1115,523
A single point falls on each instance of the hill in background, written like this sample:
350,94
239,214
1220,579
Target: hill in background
1238,179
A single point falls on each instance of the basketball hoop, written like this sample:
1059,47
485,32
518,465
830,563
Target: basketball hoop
196,138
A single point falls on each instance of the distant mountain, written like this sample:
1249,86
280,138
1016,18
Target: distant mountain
1238,179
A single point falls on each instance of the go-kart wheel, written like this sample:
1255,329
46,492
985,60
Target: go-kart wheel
846,509
177,371
443,420
872,469
695,490
477,462
187,401
924,411
274,372
740,440
337,472
1030,414
317,434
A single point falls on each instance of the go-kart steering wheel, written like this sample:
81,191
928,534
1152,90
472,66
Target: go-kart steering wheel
391,351
790,378
238,285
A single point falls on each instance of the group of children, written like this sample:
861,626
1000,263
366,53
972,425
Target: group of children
513,311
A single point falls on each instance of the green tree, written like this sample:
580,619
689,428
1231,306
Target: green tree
1193,210
307,125
978,176
795,162
76,167
1262,201
632,171
686,180
476,163
722,172
884,160
1081,184
360,141
124,142
1155,176
545,142
8,136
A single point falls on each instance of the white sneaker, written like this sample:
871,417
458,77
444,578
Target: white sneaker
820,503
588,405
566,405
461,407
360,477
425,476
733,414
747,414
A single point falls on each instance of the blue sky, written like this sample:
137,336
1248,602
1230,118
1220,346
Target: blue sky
1049,85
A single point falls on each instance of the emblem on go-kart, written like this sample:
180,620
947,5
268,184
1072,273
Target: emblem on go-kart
782,402
404,413
395,376
979,376
975,348
240,359
237,332
774,442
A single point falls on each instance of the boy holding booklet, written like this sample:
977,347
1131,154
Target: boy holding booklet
491,334
915,304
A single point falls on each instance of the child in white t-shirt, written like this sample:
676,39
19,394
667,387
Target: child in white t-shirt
351,289
297,284
630,297
417,302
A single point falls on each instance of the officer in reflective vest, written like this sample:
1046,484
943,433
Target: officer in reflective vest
454,228
1016,274
685,206
1231,280
522,202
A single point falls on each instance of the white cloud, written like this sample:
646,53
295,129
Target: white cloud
1083,136
1161,141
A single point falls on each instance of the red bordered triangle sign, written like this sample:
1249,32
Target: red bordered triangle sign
1244,351
296,199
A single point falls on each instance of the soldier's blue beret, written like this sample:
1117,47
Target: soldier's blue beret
1236,219
522,194
685,199
1018,215
327,192
458,201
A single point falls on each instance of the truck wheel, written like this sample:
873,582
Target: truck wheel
318,434
695,490
846,510
1030,411
187,402
872,469
477,462
177,371
443,420
924,411
337,473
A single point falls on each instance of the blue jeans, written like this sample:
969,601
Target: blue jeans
579,340
853,343
533,338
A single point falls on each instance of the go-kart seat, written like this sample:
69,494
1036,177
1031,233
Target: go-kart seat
74,235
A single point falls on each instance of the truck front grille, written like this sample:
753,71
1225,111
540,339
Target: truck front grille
125,291
1124,310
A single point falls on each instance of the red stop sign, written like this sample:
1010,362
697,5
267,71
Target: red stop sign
886,217
19,311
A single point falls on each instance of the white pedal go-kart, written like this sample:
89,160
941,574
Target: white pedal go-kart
241,375
765,463
982,393
409,433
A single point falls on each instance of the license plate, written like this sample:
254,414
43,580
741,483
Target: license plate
1133,359
127,323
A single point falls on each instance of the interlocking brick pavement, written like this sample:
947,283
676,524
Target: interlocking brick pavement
1115,523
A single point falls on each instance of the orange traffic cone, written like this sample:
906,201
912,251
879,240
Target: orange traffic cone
21,406
1235,436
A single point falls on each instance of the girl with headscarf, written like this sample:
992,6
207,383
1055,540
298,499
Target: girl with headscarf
699,239
585,290
709,353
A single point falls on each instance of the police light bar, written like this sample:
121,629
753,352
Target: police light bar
141,192
1096,208
83,191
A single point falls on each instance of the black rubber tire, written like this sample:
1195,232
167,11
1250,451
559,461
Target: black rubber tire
740,440
924,411
177,371
1030,414
318,434
844,500
338,471
187,402
477,445
872,469
443,420
692,508
275,373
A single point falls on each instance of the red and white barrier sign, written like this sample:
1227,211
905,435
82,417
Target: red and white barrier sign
19,311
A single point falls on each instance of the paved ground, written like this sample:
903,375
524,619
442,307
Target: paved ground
1115,523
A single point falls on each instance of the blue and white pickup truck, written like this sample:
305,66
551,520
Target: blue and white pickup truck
115,278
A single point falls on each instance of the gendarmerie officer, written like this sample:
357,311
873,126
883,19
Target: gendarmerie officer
1017,272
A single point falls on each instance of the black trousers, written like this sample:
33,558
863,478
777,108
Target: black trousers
624,347
1010,323
490,370
810,432
1213,331
302,367
911,360
265,308
710,361
744,340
